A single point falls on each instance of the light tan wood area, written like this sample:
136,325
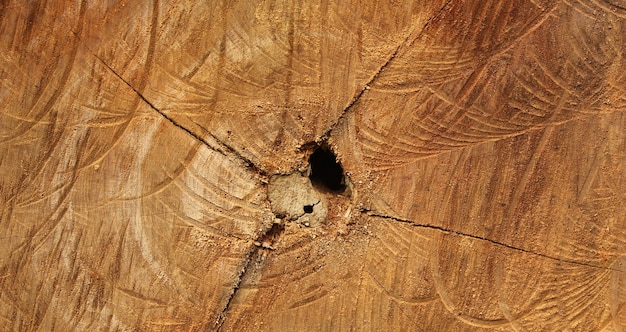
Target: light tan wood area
146,149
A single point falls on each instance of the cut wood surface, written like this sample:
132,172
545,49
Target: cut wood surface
154,160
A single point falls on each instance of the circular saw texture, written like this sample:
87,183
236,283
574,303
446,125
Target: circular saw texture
147,149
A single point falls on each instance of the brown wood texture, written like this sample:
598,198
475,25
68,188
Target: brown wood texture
484,140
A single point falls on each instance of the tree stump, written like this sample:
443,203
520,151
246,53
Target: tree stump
313,165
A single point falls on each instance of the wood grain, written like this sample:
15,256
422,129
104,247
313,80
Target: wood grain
484,141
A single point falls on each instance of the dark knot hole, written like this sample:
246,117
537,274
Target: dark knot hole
326,172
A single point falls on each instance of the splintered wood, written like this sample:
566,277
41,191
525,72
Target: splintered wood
483,145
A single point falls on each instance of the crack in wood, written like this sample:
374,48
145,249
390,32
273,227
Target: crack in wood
359,94
252,263
459,233
223,148
229,149
367,85
221,318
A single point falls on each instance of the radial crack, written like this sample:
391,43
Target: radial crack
252,263
231,150
359,94
221,318
446,230
367,85
223,148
